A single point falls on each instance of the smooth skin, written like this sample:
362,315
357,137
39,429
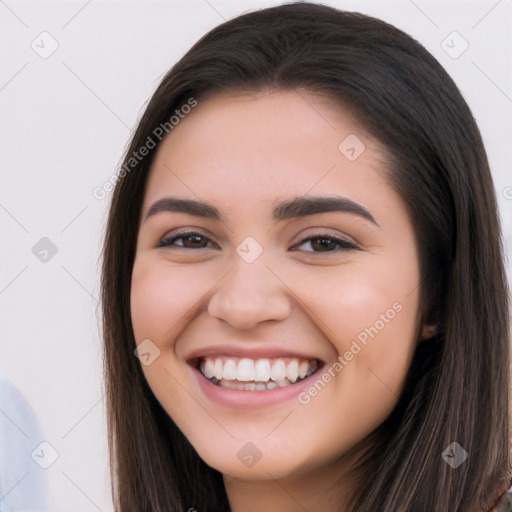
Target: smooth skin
242,154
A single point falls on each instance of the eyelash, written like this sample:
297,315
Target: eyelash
345,245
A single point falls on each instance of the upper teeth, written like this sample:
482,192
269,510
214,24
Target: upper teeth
259,370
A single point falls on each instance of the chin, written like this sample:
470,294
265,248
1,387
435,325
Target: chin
259,460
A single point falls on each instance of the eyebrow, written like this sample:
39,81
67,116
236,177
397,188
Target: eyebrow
290,209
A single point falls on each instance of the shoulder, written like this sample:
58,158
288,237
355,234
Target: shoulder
505,503
23,481
15,407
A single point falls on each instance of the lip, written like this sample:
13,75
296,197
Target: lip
234,398
257,352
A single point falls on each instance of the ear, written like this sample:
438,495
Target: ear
428,331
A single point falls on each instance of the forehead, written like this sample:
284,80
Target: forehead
257,117
258,146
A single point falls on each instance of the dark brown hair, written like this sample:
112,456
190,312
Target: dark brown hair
457,388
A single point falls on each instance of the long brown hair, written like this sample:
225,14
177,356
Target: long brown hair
457,388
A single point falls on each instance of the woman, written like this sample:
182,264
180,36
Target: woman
303,253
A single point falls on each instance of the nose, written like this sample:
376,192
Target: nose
250,294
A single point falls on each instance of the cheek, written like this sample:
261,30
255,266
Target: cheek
161,299
382,321
353,303
374,320
371,319
385,313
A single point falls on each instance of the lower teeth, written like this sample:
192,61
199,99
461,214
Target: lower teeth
251,386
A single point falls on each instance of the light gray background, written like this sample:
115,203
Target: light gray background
65,120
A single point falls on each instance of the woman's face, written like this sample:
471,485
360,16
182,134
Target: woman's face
271,282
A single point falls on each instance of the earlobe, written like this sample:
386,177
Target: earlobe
428,331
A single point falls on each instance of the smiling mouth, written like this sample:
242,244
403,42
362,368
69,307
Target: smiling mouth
262,374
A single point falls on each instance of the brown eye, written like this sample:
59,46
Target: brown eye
189,240
327,244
